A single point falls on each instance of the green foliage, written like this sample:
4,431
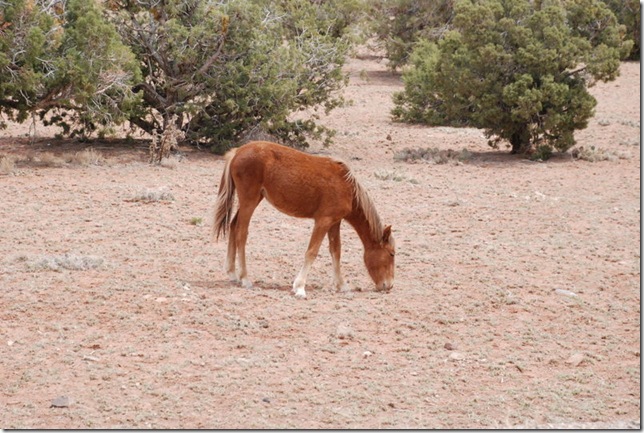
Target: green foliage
627,13
218,71
227,69
518,69
400,24
65,62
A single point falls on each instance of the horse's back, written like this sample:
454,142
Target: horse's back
295,182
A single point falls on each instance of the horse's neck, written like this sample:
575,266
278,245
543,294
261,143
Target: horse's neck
359,222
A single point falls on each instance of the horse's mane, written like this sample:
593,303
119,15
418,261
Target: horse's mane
365,204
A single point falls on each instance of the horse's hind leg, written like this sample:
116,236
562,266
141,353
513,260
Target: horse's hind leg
247,206
232,251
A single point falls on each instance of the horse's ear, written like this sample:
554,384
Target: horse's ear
386,234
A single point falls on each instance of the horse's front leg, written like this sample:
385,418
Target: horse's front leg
319,231
335,248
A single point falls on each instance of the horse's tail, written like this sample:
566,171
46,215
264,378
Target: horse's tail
225,199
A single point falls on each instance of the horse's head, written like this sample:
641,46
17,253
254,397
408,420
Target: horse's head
379,260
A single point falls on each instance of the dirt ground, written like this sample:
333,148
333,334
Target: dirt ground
516,302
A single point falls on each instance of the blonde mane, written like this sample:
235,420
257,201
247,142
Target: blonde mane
365,204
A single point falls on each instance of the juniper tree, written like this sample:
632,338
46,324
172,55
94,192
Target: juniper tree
65,63
519,69
224,69
400,24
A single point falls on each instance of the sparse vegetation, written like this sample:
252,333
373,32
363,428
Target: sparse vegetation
196,221
165,142
153,195
433,155
395,176
7,164
595,154
46,159
541,153
85,157
68,261
631,142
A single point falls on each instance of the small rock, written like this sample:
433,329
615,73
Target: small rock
576,359
367,354
161,299
90,358
449,346
456,356
62,401
266,400
565,292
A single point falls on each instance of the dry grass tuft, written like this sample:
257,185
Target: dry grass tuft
433,155
196,221
395,176
593,154
162,144
153,195
47,159
171,162
67,261
7,164
85,157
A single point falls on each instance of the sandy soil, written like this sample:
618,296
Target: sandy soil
516,303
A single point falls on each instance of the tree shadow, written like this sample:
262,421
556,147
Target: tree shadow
500,158
121,150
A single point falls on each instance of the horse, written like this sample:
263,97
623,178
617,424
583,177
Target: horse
304,186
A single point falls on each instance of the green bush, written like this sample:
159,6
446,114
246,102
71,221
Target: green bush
400,24
227,69
66,63
518,69
218,71
627,13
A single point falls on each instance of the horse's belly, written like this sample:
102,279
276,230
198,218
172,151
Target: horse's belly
303,201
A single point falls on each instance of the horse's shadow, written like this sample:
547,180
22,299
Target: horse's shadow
225,284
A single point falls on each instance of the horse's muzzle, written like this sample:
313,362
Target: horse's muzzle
385,286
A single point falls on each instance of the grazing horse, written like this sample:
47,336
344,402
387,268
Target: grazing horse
304,186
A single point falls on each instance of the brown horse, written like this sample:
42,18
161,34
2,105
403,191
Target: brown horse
304,186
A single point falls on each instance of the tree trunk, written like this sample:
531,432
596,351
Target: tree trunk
520,141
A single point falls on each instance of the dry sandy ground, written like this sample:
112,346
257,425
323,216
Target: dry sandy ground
516,303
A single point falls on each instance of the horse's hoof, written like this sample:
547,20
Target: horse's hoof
246,284
300,294
344,288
